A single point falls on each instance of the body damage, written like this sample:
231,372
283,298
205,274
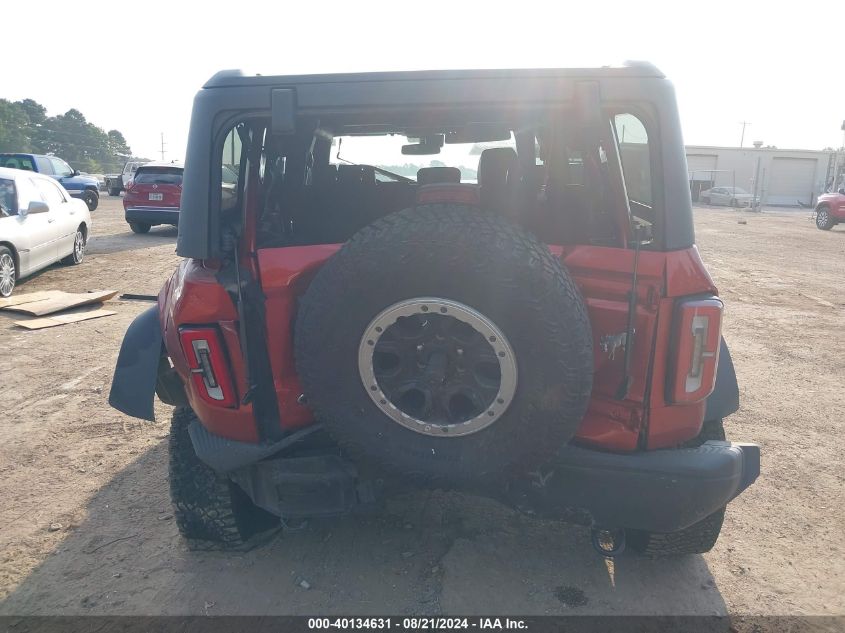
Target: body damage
194,296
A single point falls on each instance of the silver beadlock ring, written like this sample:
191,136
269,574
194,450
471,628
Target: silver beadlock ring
494,337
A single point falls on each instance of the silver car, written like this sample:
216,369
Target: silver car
39,224
729,197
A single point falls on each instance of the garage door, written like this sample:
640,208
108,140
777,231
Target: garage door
792,181
699,166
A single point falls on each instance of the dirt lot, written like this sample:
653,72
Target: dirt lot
67,458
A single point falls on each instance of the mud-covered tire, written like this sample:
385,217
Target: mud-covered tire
464,255
697,538
211,512
824,221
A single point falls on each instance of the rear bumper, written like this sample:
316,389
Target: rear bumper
152,215
657,491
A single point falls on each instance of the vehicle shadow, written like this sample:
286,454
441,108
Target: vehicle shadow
129,241
427,552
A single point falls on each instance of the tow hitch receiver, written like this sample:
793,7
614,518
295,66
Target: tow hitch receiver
608,542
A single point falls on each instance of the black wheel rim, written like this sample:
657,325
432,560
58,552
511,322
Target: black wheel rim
437,367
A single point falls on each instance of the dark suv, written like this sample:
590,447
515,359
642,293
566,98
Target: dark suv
526,318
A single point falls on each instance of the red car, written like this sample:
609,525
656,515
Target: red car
830,209
153,196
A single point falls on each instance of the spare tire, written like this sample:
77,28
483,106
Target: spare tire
445,343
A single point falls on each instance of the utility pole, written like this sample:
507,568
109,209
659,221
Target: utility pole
841,150
162,147
742,138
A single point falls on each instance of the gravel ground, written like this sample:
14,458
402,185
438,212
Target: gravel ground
86,525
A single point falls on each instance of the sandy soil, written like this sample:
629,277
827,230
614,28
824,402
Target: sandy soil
86,525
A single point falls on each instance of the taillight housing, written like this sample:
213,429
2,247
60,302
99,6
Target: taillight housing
697,337
210,373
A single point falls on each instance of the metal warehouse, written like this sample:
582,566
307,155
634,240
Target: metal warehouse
783,177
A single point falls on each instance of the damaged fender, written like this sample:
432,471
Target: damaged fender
725,397
133,386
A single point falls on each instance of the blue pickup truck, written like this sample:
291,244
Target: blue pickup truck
84,187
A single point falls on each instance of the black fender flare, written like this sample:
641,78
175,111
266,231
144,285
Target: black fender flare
133,386
725,397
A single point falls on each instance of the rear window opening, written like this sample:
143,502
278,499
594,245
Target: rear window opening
17,162
537,168
158,176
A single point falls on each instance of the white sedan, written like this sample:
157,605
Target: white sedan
39,224
729,197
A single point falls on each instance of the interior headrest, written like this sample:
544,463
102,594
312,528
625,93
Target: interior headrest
495,164
432,175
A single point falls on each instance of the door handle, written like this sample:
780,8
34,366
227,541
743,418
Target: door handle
51,220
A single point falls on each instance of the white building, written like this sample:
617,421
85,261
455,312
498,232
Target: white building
784,177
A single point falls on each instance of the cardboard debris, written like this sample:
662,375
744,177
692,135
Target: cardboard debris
27,298
57,301
62,319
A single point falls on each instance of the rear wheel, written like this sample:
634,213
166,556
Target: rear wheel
734,202
697,538
91,198
823,219
139,227
211,511
706,200
8,272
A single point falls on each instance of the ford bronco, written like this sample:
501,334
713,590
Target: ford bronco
526,318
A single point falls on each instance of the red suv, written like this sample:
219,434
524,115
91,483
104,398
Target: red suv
153,196
527,317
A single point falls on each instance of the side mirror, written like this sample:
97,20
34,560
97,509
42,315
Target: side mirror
36,206
75,172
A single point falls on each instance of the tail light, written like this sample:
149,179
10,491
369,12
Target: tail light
209,370
698,334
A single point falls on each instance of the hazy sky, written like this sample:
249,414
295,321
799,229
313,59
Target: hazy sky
135,66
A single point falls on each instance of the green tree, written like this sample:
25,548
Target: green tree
14,128
25,127
118,145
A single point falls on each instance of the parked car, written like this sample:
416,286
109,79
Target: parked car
830,209
115,183
85,188
729,197
332,337
153,196
100,178
40,223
